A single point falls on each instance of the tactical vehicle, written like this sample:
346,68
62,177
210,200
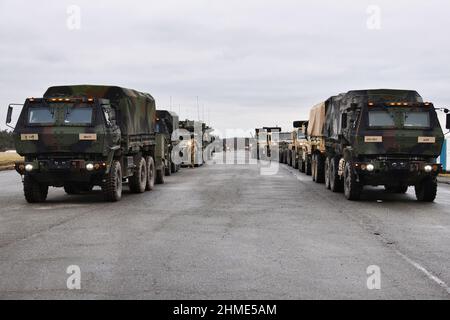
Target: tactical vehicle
376,137
297,146
284,142
264,143
82,136
166,140
191,143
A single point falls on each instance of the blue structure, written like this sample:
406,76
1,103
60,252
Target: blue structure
444,156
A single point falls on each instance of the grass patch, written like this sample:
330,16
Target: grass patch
8,159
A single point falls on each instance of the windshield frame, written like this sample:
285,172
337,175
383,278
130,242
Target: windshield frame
80,124
398,115
41,124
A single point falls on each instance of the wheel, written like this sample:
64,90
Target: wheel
160,175
173,167
294,161
319,169
138,181
150,184
426,189
308,169
327,172
34,191
396,189
112,185
352,188
335,181
168,169
313,167
301,165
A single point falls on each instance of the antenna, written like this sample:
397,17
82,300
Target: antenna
198,110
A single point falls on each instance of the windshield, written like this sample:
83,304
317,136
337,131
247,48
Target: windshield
416,119
399,119
79,114
381,119
41,115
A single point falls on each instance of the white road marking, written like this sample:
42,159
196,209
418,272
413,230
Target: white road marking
430,275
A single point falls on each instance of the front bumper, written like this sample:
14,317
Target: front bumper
395,172
58,172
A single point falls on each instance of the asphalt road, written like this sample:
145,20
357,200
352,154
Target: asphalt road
225,232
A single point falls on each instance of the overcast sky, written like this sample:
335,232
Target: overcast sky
251,63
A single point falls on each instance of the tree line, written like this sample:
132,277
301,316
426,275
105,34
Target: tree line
6,140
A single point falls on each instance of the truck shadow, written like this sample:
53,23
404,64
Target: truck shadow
379,194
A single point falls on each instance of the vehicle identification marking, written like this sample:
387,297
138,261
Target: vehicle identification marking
29,137
88,136
426,139
373,139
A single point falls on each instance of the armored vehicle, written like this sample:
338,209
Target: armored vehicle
378,137
82,136
191,143
284,143
264,144
166,140
297,146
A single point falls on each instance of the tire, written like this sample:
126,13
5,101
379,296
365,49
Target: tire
160,175
313,167
319,169
301,165
352,188
168,169
173,167
426,189
151,174
327,172
336,184
308,169
34,191
112,185
294,161
138,181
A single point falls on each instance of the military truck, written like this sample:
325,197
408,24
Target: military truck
377,137
191,143
284,142
166,124
264,145
297,146
82,136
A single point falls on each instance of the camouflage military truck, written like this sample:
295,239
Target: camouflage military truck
82,136
191,143
284,142
297,146
264,145
379,137
166,124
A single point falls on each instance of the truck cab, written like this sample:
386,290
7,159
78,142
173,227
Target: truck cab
382,137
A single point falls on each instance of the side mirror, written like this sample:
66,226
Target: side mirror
298,124
447,122
9,115
344,121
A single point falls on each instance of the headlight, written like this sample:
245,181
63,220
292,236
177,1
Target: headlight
28,167
370,167
89,167
428,168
